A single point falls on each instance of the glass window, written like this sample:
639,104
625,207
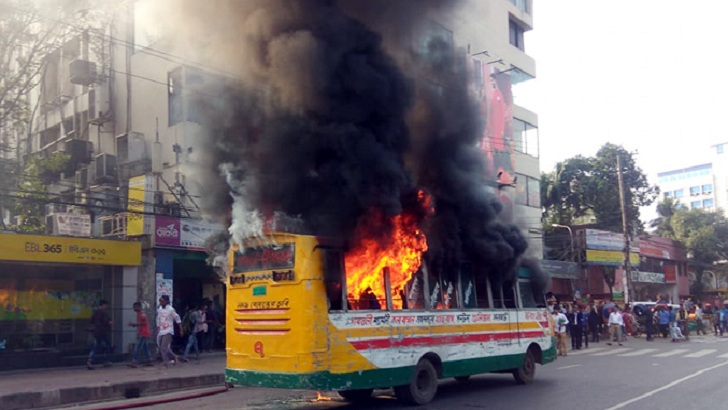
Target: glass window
521,197
525,138
534,192
708,203
719,149
679,193
695,204
694,190
707,189
333,275
414,291
175,97
667,194
526,292
515,35
467,282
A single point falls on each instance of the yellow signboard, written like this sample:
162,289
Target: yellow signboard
36,248
136,206
614,258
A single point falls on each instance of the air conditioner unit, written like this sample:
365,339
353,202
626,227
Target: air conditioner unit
79,150
83,72
131,147
106,168
81,178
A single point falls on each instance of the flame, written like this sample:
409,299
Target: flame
320,397
401,253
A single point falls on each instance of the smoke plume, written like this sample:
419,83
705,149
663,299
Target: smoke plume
338,120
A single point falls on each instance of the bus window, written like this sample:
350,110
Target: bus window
368,297
450,294
412,296
525,292
482,291
467,288
506,296
333,276
434,289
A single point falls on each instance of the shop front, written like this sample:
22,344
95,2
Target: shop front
50,286
183,273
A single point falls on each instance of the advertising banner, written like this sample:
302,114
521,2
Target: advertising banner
648,277
187,233
71,224
610,258
139,196
561,269
608,241
46,304
36,248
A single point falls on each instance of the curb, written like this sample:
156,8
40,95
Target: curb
132,389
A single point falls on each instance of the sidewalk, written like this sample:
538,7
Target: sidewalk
44,388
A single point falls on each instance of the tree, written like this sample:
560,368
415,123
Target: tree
663,223
30,197
582,186
705,236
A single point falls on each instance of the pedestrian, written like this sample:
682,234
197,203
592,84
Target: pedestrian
716,321
595,323
682,320
616,322
585,326
723,320
197,329
166,318
663,320
143,335
560,323
699,325
649,318
101,323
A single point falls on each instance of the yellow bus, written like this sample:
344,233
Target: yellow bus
295,321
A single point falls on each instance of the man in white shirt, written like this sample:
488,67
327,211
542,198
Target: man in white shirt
615,325
166,318
560,322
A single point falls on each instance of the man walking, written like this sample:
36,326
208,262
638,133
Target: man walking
143,334
699,325
615,326
101,323
560,323
166,318
197,329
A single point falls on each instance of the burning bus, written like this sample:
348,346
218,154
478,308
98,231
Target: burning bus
308,312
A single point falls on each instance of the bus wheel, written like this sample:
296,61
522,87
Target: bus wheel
462,379
527,371
355,396
423,386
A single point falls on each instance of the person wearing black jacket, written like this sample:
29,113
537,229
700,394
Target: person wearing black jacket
575,319
595,322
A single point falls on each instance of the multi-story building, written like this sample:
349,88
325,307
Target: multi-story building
118,101
691,187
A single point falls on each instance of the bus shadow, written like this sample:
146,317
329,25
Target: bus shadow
449,392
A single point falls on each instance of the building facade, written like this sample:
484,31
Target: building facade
692,187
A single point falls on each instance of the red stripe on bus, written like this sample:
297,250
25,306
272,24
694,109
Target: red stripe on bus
441,340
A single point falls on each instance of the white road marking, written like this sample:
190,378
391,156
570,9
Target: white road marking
613,351
569,367
587,351
671,353
701,353
638,352
723,356
666,387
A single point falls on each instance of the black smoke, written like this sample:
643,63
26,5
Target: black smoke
336,121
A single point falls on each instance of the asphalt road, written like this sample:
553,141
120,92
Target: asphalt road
637,376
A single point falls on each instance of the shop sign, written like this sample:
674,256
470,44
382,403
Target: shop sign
185,233
71,224
610,258
140,189
561,269
648,277
608,241
36,248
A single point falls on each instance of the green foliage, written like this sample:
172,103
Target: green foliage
584,186
31,196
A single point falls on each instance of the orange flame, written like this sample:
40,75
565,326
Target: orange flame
320,397
401,254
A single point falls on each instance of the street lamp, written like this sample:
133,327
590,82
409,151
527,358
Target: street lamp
571,237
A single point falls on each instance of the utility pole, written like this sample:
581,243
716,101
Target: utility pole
626,279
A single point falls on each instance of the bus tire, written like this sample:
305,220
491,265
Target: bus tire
526,372
462,379
422,387
356,396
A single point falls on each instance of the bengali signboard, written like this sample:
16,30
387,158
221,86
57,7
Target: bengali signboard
561,269
71,224
140,189
648,277
610,258
187,233
36,248
608,241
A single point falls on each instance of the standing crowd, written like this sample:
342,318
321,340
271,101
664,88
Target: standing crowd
582,323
